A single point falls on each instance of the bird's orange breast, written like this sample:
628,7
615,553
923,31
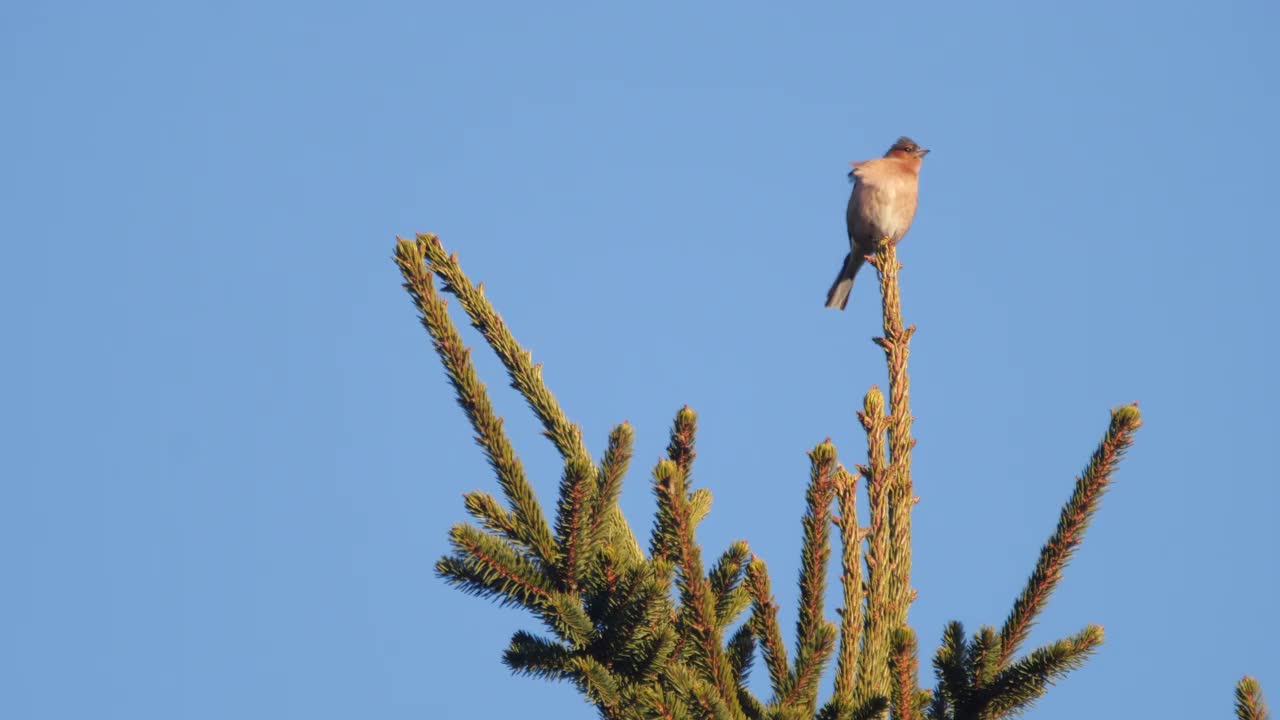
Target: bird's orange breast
883,201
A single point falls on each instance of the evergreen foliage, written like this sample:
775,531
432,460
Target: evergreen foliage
1249,703
658,634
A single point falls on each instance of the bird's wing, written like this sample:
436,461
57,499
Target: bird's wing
860,168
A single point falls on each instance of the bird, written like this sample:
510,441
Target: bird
881,207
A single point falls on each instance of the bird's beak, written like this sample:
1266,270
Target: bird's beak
924,151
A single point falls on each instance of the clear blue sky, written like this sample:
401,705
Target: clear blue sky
231,458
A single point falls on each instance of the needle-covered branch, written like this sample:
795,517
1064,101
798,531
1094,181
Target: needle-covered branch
576,530
905,665
527,524
742,648
953,689
531,655
526,376
815,635
896,343
851,615
1249,702
764,622
1074,520
726,576
643,637
617,459
485,565
1017,686
679,513
873,664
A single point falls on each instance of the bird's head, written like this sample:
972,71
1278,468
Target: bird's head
906,149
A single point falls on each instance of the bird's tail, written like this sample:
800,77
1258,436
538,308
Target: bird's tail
838,295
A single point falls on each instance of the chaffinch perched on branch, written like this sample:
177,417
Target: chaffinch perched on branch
881,206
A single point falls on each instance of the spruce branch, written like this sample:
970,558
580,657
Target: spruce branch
700,697
626,604
653,701
595,681
896,345
658,646
484,507
563,613
851,619
872,709
873,676
1074,520
764,623
680,450
696,617
741,650
1017,686
667,705
726,577
1249,702
699,506
905,665
575,538
638,650
665,541
953,689
526,376
484,565
983,661
617,458
529,525
529,654
815,636
751,706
